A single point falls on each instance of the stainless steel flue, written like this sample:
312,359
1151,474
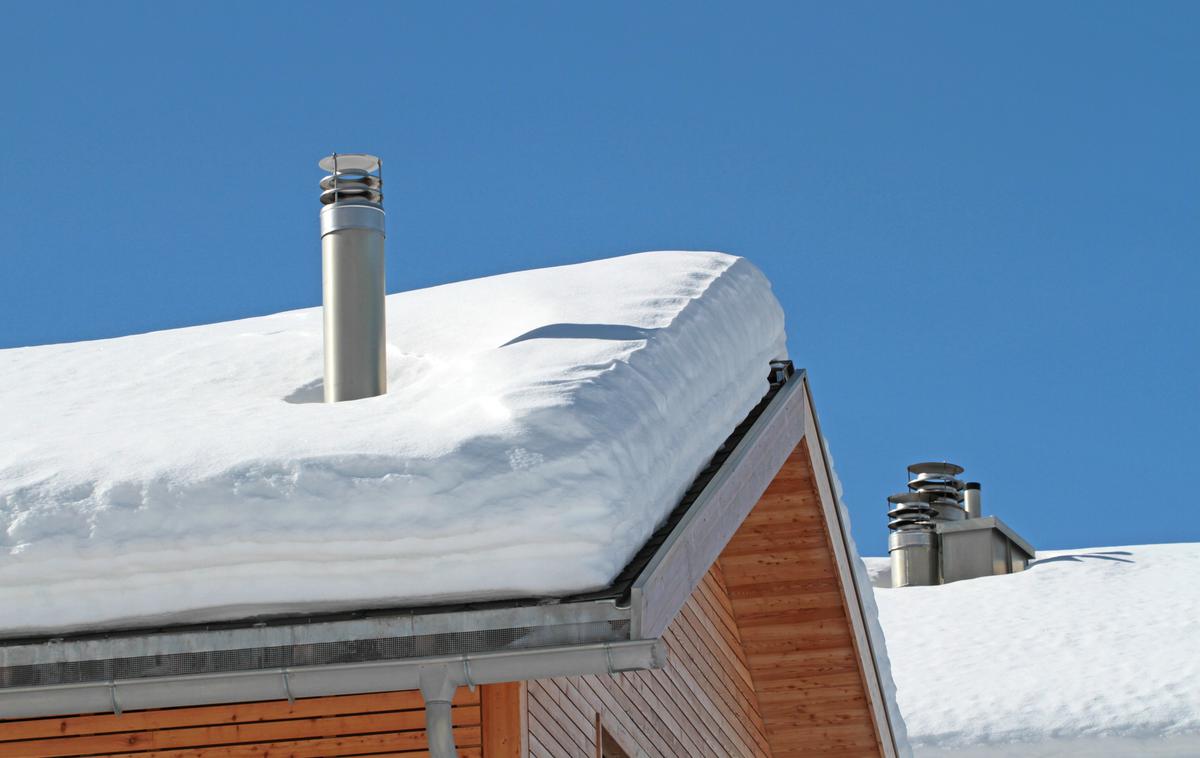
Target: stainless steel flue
913,546
914,558
938,479
973,500
938,533
353,280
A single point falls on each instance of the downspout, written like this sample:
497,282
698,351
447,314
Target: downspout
438,691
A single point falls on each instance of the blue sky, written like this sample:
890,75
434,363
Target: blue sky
983,220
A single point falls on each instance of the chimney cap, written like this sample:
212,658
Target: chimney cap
351,162
936,468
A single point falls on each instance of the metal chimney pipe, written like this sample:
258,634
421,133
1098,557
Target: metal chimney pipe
352,273
973,500
940,479
914,558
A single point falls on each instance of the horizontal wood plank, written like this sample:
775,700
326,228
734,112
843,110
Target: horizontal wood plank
235,713
372,724
264,731
467,737
788,604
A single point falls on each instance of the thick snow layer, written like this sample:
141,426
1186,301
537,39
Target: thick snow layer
537,428
1091,652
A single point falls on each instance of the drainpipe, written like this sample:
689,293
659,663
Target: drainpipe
438,691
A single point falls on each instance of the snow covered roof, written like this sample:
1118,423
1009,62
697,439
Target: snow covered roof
1090,652
537,428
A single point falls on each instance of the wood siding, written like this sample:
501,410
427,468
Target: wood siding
702,704
390,723
503,710
791,613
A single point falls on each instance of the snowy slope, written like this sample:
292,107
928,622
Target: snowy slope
538,426
1091,652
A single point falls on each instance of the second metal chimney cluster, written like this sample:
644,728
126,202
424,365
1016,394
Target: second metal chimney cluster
940,535
934,495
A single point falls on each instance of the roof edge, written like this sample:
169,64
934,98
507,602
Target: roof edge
698,538
662,579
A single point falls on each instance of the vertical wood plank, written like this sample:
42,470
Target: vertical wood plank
502,712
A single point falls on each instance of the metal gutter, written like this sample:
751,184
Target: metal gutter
316,681
426,626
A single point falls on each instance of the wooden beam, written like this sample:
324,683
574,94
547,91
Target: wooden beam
503,710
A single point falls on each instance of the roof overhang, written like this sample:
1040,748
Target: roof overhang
383,650
707,526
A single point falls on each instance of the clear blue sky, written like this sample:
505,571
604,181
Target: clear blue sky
982,219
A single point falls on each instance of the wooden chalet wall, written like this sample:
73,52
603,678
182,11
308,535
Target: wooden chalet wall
763,658
791,611
701,704
391,723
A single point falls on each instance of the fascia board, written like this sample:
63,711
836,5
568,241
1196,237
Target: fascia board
848,579
700,536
